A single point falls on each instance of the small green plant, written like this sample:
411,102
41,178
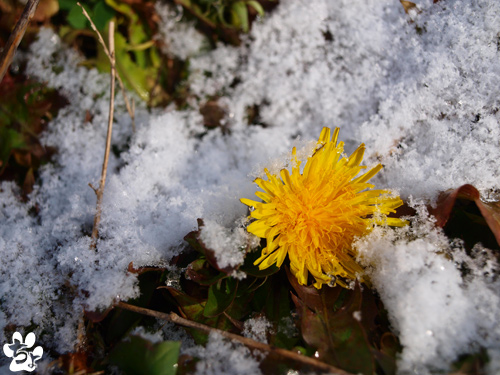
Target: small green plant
25,108
225,13
100,12
139,61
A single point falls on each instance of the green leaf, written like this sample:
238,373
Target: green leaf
136,33
249,285
121,7
221,14
185,3
250,269
66,4
256,5
102,14
193,238
326,299
389,344
239,14
220,297
339,337
192,309
202,273
76,19
277,309
122,321
9,140
137,356
273,300
135,77
473,363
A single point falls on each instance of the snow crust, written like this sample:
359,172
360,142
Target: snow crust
420,90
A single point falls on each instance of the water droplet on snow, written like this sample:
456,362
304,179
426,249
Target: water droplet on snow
316,354
357,315
333,281
180,12
429,332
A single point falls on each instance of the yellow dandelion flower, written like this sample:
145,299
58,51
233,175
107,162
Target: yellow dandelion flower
314,216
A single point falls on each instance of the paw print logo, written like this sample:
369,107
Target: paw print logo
22,357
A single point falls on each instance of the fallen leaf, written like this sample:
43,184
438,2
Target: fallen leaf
193,238
212,114
408,6
98,316
76,361
45,10
339,336
447,201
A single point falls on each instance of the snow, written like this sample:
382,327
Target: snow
257,328
179,39
421,91
224,357
153,337
437,312
229,246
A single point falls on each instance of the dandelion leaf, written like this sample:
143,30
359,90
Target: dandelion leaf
138,356
200,271
220,296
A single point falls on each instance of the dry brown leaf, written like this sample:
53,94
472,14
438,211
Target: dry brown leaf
408,5
489,210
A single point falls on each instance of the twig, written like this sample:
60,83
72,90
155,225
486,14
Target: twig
16,36
174,318
93,188
100,190
132,111
130,108
81,334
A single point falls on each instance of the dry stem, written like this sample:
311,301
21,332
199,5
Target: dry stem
283,353
130,108
100,191
16,36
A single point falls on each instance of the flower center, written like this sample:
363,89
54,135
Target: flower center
303,218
